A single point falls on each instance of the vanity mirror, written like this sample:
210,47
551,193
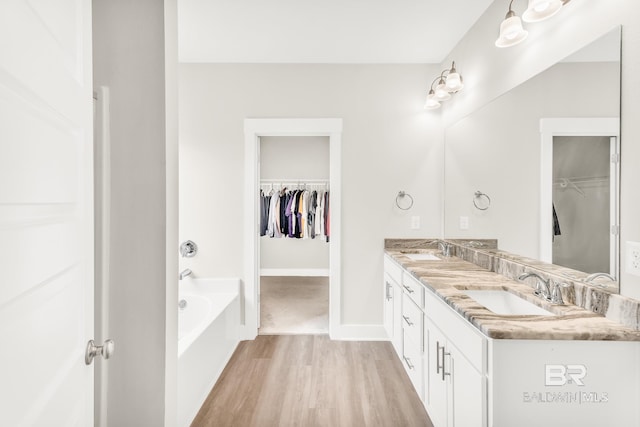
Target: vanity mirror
547,143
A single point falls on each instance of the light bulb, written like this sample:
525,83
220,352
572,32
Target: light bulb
539,10
432,103
454,82
511,31
442,93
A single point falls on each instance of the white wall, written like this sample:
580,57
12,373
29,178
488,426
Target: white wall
489,72
294,158
497,150
129,58
389,143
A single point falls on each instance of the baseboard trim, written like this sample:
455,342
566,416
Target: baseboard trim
297,272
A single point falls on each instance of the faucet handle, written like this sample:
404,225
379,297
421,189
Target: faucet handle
556,291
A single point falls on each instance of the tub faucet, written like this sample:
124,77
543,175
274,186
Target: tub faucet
184,273
542,285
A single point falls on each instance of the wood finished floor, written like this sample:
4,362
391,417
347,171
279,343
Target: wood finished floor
309,380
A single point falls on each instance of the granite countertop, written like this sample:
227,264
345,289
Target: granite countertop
448,277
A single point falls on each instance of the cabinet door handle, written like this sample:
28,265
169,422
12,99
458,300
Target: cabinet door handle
444,373
408,320
408,289
408,362
389,297
440,368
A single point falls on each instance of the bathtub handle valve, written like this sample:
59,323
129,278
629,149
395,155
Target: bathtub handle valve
105,350
182,304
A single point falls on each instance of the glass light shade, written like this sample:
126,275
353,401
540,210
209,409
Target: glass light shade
511,32
454,82
539,10
432,103
442,93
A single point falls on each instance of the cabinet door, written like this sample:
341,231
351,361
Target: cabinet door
435,380
397,319
388,306
467,391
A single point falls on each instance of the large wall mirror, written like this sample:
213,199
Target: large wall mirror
543,154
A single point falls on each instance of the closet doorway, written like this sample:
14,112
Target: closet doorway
255,130
295,233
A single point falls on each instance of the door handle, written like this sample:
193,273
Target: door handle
105,350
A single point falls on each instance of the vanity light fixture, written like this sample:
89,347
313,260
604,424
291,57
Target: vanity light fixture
539,10
448,82
511,30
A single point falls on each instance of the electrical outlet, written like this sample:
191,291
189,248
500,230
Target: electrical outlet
464,223
633,258
415,222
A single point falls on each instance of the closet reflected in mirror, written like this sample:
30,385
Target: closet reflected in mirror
502,149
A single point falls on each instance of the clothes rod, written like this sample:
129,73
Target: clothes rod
308,181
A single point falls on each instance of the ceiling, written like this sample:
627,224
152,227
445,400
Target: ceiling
327,31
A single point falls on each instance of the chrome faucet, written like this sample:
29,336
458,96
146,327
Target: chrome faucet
590,277
445,247
542,285
556,291
184,273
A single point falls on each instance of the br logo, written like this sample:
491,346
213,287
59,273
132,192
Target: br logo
558,375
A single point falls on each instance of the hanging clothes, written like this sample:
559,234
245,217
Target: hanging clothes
299,214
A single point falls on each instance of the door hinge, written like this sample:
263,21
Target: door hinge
615,158
615,230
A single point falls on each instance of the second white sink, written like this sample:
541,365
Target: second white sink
504,302
422,257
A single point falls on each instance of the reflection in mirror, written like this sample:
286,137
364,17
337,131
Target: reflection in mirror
503,150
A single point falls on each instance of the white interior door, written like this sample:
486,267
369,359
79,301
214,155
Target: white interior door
46,225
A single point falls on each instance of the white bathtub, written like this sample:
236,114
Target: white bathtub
208,333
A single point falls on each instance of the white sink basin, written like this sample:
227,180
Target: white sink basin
503,302
422,257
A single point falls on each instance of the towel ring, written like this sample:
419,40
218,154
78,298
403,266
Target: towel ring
402,194
481,201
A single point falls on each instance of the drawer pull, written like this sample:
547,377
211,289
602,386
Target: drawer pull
408,362
408,320
408,289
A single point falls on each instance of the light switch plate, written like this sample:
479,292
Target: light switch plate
415,222
633,258
464,223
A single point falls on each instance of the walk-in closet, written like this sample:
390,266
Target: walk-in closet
295,235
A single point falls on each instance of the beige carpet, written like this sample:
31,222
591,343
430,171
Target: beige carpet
294,305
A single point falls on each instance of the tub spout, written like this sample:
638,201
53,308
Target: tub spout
184,273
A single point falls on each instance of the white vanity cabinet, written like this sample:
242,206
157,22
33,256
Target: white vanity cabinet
443,355
393,303
456,368
404,320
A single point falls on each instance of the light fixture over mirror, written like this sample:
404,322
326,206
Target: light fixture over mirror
539,10
448,82
511,30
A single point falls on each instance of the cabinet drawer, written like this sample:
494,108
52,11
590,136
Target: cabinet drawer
414,289
470,341
412,322
413,363
392,269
